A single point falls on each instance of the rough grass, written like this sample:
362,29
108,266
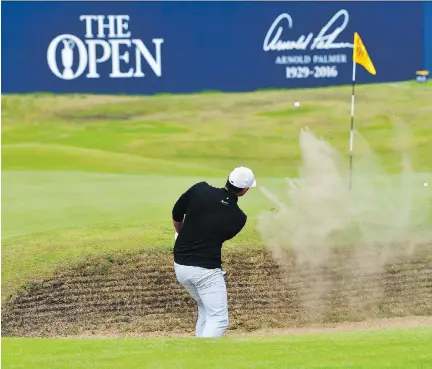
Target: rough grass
138,293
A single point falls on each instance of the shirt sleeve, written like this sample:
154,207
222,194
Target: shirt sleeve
239,226
182,204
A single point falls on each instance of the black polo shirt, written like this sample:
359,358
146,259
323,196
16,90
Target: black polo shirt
212,217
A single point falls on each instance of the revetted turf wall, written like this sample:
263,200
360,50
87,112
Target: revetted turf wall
139,294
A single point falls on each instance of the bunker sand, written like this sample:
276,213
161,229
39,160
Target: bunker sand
368,325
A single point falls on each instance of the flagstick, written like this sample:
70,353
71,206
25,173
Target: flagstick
352,123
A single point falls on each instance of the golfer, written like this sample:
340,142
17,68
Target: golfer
204,217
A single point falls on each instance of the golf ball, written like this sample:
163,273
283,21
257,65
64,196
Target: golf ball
296,104
425,184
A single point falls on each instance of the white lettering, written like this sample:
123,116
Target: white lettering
116,57
155,62
107,39
323,59
123,25
93,60
111,26
273,42
88,24
323,41
293,59
296,72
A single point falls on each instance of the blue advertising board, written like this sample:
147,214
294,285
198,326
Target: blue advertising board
428,36
156,47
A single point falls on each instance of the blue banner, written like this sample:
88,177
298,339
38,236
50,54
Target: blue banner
428,36
173,47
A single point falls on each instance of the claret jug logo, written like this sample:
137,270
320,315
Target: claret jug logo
107,40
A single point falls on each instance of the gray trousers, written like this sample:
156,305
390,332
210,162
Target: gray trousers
207,287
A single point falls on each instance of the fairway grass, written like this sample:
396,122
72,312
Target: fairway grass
85,175
392,349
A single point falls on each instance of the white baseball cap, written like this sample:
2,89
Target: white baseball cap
242,177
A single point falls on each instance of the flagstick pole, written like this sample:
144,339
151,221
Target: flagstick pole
352,124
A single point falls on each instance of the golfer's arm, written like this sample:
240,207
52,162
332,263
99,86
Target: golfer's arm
177,225
179,211
240,226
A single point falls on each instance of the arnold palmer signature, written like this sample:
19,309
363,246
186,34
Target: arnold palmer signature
323,41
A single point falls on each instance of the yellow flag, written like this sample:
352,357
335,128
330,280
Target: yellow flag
361,56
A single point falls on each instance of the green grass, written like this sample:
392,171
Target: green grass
393,349
83,175
51,222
